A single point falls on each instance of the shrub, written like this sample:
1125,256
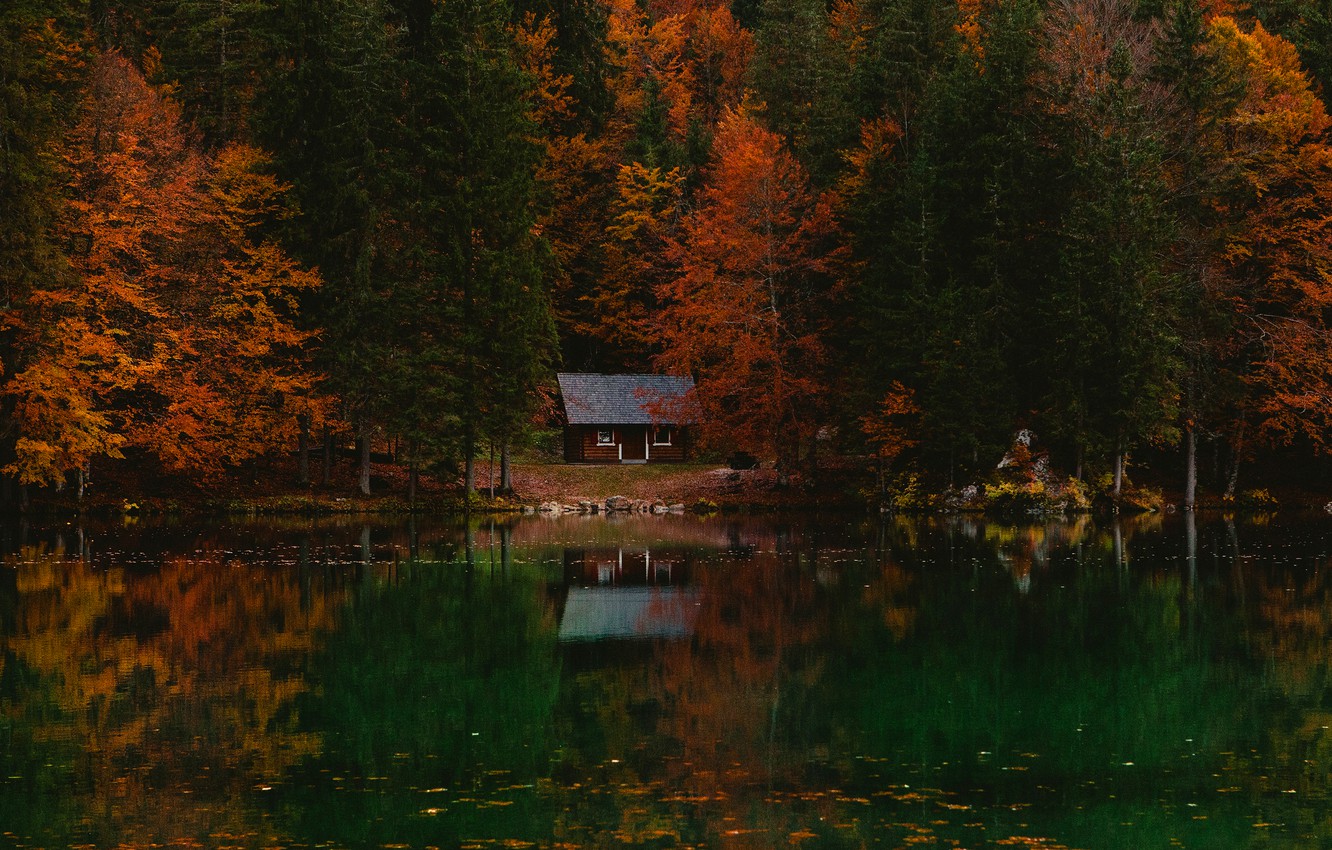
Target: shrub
906,493
704,506
1018,496
1256,500
1147,499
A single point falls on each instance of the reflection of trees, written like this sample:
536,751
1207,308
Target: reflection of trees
434,699
896,684
911,691
1288,612
157,691
1094,681
709,739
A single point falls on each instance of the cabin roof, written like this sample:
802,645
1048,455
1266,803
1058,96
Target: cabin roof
592,399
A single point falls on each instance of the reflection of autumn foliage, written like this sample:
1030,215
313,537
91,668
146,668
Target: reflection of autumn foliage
726,691
141,662
739,709
1295,630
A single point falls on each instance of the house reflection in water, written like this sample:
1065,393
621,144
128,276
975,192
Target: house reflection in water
627,594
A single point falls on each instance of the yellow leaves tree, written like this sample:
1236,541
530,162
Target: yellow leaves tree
1274,260
892,429
644,212
250,382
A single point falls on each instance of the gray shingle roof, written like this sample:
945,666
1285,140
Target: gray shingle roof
591,399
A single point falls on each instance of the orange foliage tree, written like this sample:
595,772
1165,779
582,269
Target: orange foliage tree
748,310
613,192
174,328
1277,261
892,429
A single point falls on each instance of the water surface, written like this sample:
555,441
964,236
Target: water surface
668,682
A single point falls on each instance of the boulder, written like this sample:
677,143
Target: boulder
677,508
551,508
619,503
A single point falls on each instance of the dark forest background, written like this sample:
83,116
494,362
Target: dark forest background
902,229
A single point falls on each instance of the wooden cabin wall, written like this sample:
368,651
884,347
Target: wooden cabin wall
580,445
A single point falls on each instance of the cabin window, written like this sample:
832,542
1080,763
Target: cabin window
663,435
605,437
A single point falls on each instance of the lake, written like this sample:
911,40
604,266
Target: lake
668,682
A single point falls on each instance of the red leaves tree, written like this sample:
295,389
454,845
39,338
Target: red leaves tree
748,310
174,328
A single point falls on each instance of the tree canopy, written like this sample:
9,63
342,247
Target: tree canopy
905,227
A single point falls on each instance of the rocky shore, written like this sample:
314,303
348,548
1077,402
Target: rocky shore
611,505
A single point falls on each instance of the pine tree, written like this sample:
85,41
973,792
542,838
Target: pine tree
328,120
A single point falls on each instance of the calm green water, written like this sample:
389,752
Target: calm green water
668,682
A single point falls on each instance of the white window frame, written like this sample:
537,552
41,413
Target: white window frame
670,435
610,436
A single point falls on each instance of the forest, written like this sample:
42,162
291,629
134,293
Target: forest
894,229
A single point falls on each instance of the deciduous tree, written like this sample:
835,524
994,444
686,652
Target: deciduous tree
174,331
758,275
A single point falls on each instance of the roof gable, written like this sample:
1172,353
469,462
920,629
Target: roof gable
592,399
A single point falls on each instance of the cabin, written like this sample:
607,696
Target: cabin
619,418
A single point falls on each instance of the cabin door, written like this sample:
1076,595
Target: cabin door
633,444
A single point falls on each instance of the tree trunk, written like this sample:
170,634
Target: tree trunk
328,456
1119,472
491,470
1190,468
303,450
1232,478
365,459
784,462
1216,463
1077,463
506,476
413,471
469,475
1236,452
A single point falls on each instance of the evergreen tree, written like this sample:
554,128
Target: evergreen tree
482,303
216,54
801,77
41,68
968,242
328,121
1112,306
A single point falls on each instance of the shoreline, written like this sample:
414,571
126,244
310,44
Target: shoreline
844,486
